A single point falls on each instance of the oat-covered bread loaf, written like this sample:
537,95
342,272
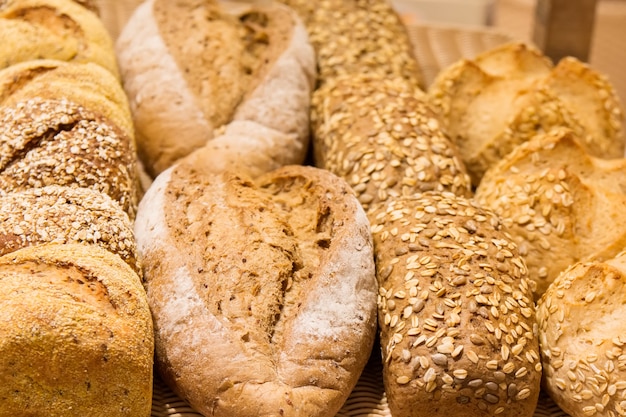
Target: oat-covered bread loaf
52,142
456,315
232,76
76,336
262,291
380,135
560,204
53,29
358,37
506,95
84,84
583,335
58,214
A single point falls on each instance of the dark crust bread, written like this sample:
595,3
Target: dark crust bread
263,292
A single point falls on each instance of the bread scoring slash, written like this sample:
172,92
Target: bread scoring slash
262,291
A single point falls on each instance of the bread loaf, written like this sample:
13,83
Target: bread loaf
505,96
53,29
583,336
66,215
231,76
262,291
76,335
379,134
560,204
456,315
45,142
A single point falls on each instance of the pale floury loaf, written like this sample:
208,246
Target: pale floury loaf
233,79
262,291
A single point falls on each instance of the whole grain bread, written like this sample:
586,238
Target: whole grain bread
582,337
560,204
505,96
63,30
80,339
456,315
262,291
234,76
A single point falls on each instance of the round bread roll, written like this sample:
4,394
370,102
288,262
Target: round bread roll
56,214
84,84
380,135
262,291
76,337
560,204
583,338
506,95
233,76
456,315
54,29
51,142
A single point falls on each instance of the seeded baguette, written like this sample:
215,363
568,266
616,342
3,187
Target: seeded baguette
262,291
54,29
582,336
560,204
456,314
57,214
45,142
77,339
382,137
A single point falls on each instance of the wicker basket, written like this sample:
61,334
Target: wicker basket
436,46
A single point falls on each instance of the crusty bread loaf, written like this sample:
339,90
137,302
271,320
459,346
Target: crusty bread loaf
560,204
76,338
358,37
380,135
582,336
85,84
456,314
46,142
262,291
53,29
505,96
235,77
66,215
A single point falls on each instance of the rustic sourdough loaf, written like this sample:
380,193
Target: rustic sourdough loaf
53,29
262,291
560,204
231,76
583,335
76,338
66,215
456,314
505,96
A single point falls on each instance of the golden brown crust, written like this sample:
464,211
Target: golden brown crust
456,314
80,341
263,292
54,29
384,139
46,142
582,338
66,215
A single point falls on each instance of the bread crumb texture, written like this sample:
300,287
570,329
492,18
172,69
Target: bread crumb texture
456,313
583,335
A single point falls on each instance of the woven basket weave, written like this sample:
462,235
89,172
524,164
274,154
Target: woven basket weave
436,47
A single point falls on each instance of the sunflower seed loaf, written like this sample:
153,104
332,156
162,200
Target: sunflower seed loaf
560,204
583,338
57,214
46,142
63,30
456,314
505,96
380,135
